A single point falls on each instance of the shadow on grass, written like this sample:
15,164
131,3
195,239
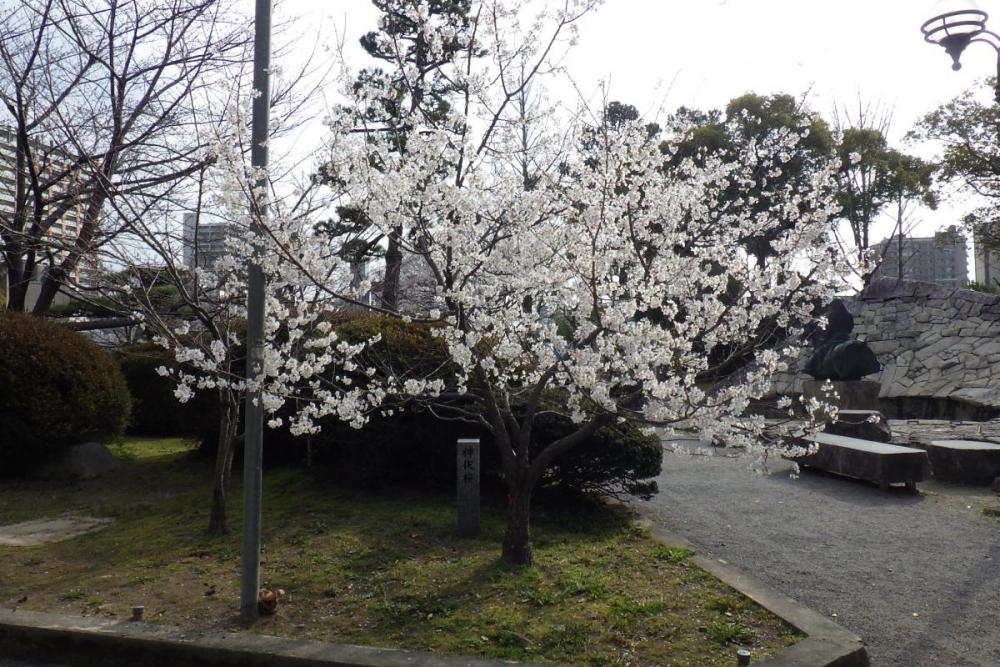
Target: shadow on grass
382,568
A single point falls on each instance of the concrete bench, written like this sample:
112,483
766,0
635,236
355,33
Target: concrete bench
877,462
860,424
966,461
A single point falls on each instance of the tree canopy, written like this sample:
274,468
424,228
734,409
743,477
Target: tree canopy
967,128
872,176
748,122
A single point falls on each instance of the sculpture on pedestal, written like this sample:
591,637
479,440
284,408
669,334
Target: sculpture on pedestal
837,357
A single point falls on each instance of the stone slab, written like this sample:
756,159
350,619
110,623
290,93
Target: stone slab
965,461
877,462
968,445
45,531
853,395
862,424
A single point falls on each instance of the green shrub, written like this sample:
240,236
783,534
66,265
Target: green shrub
57,389
417,447
155,410
100,307
986,288
618,460
410,449
408,348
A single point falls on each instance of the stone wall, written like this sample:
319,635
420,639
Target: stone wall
934,343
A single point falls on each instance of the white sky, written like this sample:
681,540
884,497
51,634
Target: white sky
661,54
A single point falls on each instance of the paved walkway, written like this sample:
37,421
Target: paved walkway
916,576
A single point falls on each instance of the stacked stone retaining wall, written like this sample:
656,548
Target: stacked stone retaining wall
939,348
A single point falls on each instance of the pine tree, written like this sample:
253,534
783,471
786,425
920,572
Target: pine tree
417,92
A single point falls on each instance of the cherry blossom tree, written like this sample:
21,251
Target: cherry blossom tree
612,284
550,291
198,312
548,286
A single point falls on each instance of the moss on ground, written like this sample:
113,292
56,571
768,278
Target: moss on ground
377,568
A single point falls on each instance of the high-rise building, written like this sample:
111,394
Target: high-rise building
61,235
987,265
204,242
940,259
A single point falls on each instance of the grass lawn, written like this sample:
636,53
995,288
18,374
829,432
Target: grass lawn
379,569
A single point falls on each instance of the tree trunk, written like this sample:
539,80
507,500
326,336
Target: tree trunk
17,289
16,296
228,419
517,539
50,287
393,266
217,524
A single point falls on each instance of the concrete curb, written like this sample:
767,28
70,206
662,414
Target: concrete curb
104,642
826,644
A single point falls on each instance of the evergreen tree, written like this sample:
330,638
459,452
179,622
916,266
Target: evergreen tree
872,176
967,128
416,92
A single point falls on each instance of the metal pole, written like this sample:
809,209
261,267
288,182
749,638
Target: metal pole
254,430
996,87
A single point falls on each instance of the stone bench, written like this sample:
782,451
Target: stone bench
965,461
860,424
877,462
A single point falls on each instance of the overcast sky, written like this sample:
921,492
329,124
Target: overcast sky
661,54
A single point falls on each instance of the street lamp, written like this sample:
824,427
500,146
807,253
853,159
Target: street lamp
956,30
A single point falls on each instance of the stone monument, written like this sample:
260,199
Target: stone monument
468,487
842,361
836,356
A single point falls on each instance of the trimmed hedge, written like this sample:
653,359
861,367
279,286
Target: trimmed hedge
57,389
155,410
619,459
418,449
412,448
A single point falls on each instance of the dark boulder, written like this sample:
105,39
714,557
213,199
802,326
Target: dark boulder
80,462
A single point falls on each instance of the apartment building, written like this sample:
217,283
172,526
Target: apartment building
941,259
987,261
204,241
63,232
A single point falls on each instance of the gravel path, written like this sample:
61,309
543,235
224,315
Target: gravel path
916,576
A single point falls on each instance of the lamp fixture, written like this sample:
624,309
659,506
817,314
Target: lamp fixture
955,30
